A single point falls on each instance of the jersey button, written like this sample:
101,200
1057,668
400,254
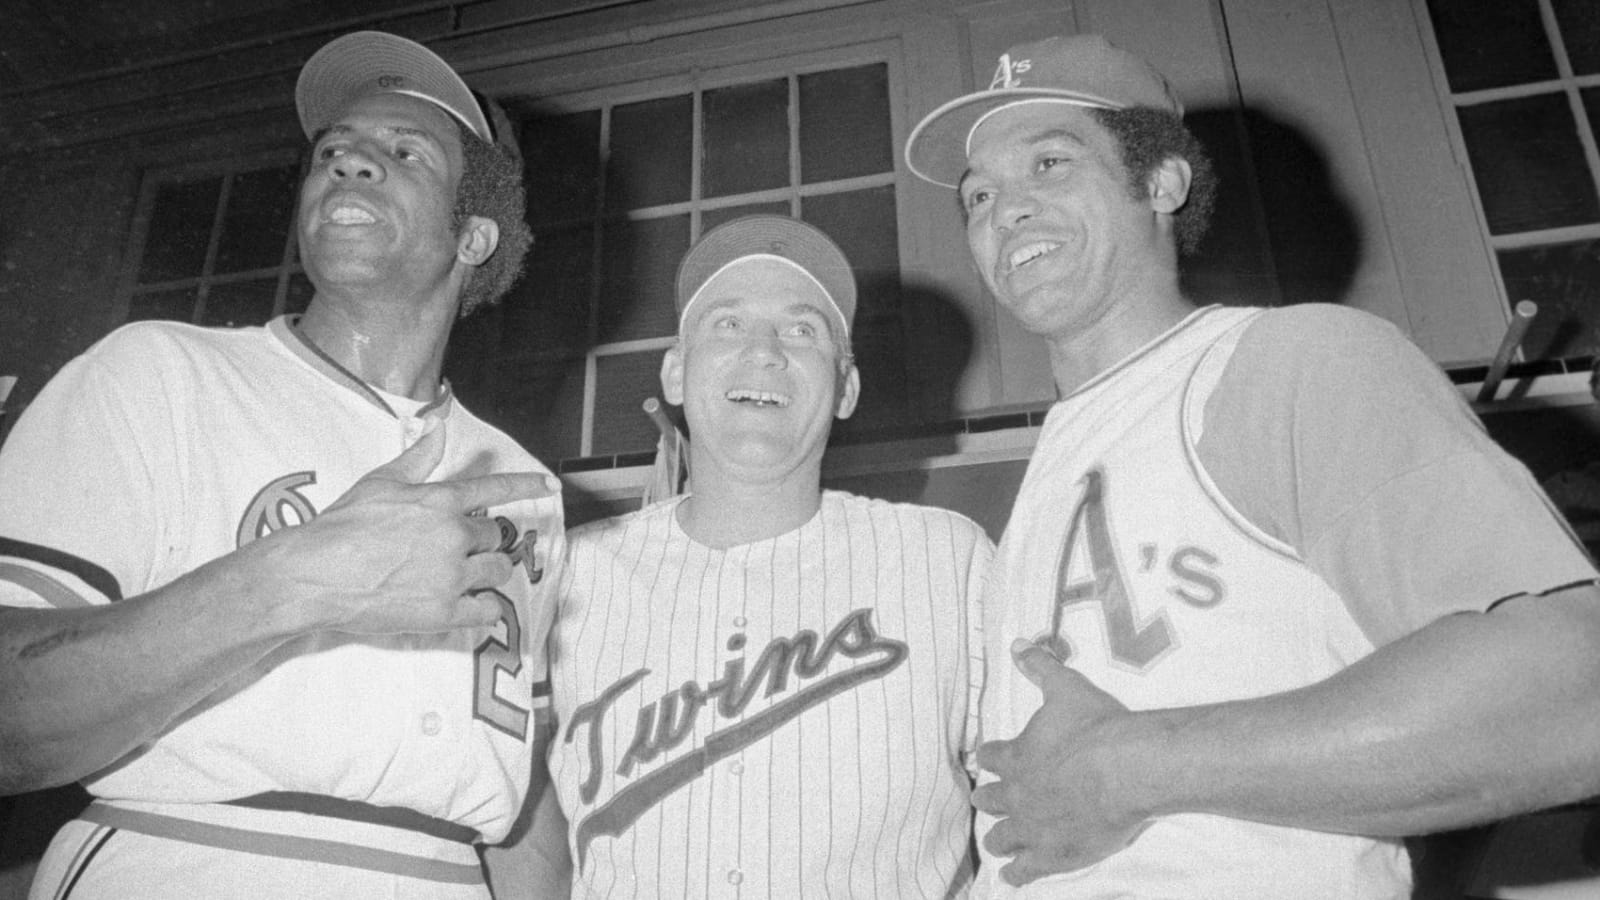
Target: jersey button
735,876
738,621
431,724
736,767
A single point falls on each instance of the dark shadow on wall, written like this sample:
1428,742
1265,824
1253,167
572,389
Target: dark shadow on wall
1281,233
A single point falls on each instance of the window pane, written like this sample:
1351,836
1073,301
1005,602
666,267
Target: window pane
1564,279
844,124
549,307
562,166
1528,164
621,385
651,153
637,278
260,205
1491,43
746,138
177,305
240,303
1580,31
180,230
863,225
540,405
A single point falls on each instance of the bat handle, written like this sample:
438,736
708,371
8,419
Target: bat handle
1516,329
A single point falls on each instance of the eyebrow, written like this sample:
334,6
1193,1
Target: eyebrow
1049,134
401,130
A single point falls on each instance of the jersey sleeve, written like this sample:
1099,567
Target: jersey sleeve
77,515
1333,433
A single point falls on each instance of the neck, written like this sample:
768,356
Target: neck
396,347
1117,328
725,510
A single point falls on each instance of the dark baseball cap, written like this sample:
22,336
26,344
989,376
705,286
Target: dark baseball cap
364,63
1079,69
769,237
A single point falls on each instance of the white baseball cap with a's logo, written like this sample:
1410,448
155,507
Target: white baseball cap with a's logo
1080,69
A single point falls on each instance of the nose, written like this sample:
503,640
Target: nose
358,162
763,347
1012,207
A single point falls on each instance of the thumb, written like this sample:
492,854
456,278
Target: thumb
1037,664
416,462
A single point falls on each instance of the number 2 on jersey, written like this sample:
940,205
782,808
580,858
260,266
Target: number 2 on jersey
492,657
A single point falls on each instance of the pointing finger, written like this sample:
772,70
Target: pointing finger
484,491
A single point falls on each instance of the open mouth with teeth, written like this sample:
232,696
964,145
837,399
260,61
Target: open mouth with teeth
350,215
758,398
1024,255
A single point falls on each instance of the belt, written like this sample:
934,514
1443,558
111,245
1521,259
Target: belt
356,811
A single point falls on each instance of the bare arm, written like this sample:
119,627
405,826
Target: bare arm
1472,718
79,688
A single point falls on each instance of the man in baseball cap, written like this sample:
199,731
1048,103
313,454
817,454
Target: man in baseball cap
761,650
309,661
1251,549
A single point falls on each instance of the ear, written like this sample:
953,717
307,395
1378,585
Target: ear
477,240
1169,185
850,394
672,375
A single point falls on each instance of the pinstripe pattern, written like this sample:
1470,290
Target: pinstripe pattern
783,718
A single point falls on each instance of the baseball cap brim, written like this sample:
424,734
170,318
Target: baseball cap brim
937,148
363,63
791,240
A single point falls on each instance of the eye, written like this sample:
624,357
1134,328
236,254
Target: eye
726,323
976,198
407,154
328,151
1046,163
803,330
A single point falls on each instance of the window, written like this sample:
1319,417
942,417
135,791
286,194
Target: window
217,247
1524,78
620,186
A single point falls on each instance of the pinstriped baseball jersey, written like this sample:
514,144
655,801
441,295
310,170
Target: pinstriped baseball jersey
1118,552
788,717
166,446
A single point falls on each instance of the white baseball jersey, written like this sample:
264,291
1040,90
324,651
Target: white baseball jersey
783,718
167,445
1122,552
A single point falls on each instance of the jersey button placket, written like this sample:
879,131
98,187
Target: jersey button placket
432,722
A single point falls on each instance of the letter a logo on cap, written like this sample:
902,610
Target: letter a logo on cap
1005,75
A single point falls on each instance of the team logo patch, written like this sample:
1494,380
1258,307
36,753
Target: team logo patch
278,505
665,724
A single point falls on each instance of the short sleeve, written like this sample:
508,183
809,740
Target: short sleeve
1332,432
77,511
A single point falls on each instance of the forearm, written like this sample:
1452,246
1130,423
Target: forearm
79,688
1471,719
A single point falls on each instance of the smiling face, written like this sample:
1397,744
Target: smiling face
1053,226
375,206
759,372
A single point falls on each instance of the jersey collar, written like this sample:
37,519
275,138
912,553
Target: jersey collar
285,329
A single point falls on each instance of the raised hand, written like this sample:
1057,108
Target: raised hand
1057,798
398,554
